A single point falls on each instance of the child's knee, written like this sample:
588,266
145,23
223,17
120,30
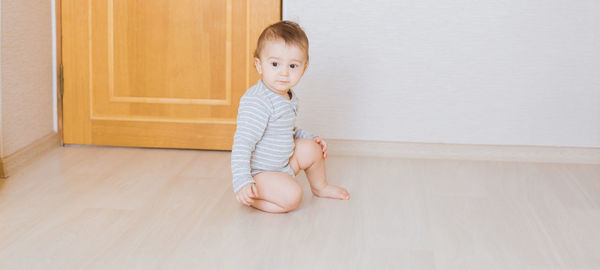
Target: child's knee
308,151
292,199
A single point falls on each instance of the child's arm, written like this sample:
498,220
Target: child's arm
301,134
252,119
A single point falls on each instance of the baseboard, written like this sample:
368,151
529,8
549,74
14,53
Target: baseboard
545,154
11,163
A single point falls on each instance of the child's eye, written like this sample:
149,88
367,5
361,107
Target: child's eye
274,64
293,66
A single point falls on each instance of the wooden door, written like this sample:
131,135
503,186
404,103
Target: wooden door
155,73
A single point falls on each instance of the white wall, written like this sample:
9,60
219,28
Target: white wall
26,81
469,72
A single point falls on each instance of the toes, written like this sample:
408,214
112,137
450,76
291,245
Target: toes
333,192
346,195
342,194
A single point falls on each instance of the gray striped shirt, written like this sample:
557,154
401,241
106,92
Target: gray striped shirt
265,133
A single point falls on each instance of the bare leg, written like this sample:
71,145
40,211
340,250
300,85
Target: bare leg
268,206
278,192
308,156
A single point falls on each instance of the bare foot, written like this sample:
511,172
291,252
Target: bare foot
333,192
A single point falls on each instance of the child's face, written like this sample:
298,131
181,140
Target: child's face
281,66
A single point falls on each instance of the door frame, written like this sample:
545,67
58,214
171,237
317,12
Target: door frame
59,75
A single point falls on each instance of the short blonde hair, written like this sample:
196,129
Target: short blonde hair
290,32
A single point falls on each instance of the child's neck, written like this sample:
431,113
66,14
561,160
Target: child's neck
287,94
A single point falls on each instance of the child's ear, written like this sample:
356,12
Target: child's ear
257,65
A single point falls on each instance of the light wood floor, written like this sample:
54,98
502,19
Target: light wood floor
127,208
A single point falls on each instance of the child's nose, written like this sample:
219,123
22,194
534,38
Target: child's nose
283,71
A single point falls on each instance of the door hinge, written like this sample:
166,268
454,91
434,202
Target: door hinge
61,83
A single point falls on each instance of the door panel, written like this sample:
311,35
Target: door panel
156,73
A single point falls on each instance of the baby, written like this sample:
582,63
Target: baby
268,150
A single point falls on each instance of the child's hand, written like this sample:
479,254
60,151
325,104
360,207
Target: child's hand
323,146
246,194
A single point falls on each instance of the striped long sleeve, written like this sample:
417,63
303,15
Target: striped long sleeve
252,120
301,134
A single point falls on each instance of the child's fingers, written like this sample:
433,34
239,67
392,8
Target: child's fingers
249,192
254,191
248,200
324,144
319,141
243,199
248,195
240,200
